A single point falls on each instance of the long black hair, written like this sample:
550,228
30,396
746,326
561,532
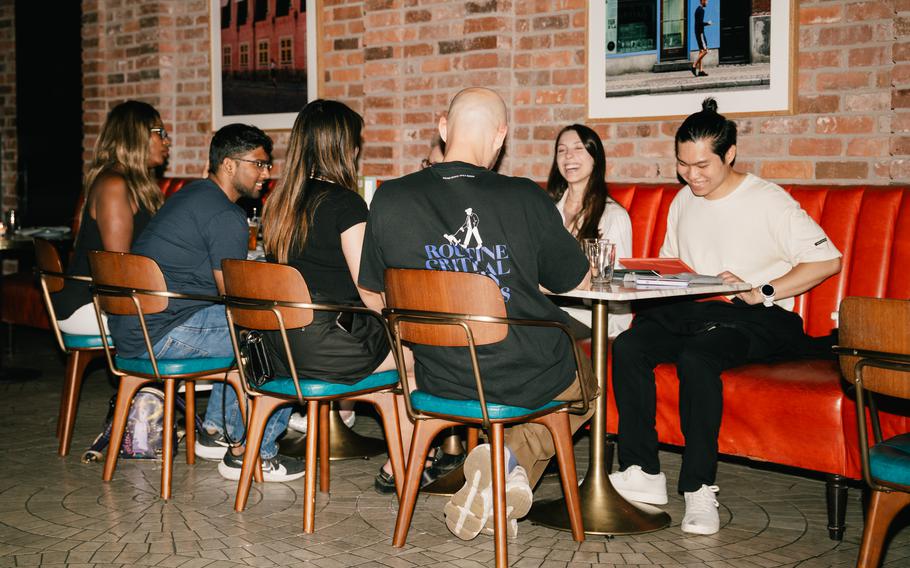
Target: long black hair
596,194
707,124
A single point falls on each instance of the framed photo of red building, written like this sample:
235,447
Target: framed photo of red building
658,59
264,61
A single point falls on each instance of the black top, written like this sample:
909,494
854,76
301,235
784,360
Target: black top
77,294
699,20
331,349
192,233
456,216
322,261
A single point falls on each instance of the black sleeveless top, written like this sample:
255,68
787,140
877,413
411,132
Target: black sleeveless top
77,294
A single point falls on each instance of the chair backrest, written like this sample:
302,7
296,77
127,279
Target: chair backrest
48,259
878,325
124,271
447,292
266,281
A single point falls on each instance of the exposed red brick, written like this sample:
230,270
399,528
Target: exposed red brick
841,170
819,14
815,147
812,104
844,124
846,35
868,147
784,170
842,81
868,11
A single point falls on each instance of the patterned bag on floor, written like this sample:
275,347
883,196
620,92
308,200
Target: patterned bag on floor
142,437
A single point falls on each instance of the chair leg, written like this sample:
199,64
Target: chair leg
189,419
883,506
167,438
424,432
261,409
500,532
325,460
233,380
76,364
313,418
387,407
559,427
473,437
125,393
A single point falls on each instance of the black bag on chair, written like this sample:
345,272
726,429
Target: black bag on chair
254,358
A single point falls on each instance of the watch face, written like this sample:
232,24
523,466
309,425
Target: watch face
767,290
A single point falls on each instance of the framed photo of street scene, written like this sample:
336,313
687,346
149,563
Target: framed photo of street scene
264,61
657,59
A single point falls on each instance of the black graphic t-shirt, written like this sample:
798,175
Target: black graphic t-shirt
459,217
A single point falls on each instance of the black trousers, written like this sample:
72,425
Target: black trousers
699,359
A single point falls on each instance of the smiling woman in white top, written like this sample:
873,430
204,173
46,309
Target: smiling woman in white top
577,183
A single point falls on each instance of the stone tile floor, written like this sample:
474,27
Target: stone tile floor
56,511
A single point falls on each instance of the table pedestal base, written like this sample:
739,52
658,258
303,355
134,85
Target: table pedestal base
344,443
603,510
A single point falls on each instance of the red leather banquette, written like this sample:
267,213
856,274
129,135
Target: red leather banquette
797,413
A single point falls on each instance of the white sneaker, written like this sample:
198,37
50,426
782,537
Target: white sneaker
298,421
519,498
636,485
701,511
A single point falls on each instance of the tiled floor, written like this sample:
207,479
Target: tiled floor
56,511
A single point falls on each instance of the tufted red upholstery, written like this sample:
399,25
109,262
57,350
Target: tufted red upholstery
795,413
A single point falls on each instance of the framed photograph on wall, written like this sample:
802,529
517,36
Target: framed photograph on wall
655,59
264,61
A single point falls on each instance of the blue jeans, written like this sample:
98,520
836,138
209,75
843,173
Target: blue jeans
206,334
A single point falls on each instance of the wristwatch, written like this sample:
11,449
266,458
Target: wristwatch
767,292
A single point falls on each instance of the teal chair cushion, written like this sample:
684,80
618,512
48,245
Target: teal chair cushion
890,460
175,366
427,402
84,341
316,388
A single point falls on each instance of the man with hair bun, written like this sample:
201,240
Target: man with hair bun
744,229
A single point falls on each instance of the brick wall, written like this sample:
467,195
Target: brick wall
8,153
399,61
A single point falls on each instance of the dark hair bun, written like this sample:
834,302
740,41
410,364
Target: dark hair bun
709,105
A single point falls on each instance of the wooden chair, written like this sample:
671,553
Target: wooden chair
874,351
274,297
130,284
457,309
80,349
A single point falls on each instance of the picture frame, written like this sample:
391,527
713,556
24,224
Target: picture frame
638,73
264,66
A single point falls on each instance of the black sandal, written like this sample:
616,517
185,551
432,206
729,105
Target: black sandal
384,483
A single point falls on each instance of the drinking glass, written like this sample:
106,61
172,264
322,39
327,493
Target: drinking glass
601,253
12,221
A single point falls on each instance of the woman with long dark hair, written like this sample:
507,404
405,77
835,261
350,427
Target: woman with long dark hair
314,220
577,183
119,198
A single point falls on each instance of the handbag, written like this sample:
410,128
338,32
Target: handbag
255,358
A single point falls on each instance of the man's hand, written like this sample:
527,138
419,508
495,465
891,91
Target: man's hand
750,297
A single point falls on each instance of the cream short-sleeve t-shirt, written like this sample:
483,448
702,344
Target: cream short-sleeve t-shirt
757,232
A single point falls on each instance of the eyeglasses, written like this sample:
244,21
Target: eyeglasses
160,132
259,163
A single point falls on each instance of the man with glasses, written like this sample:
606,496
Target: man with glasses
192,233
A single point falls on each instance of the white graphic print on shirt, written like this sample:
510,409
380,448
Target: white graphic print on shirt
455,255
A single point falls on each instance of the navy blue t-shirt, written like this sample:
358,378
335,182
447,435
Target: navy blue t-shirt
459,217
192,233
